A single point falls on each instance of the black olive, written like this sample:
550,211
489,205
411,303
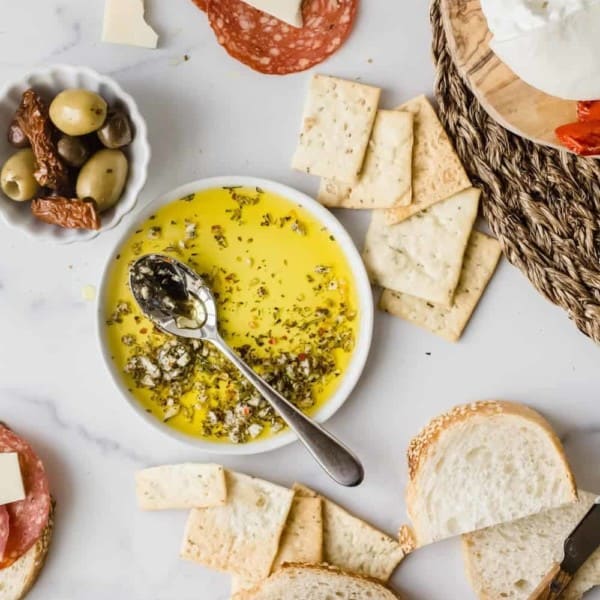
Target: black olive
116,131
72,150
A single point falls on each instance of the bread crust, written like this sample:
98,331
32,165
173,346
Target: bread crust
42,548
40,553
421,445
407,539
323,568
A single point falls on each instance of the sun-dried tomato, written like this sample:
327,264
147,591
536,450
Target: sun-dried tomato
33,119
588,110
67,213
583,138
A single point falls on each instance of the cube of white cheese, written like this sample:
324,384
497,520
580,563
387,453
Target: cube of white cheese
289,11
124,24
11,480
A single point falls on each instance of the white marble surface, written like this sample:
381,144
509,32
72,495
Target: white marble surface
211,116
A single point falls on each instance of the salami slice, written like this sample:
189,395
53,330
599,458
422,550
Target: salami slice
271,46
201,4
4,529
28,518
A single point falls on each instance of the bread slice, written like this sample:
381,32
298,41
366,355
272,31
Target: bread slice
508,561
301,582
18,579
484,464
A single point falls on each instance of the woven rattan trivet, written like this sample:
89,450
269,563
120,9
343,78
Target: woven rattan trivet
542,204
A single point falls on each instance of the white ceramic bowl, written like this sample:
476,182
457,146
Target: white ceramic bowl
49,81
363,289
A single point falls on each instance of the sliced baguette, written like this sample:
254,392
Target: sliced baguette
509,560
18,579
301,582
484,464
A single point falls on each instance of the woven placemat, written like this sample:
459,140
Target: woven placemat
543,205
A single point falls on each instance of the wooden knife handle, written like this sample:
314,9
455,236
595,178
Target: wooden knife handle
553,585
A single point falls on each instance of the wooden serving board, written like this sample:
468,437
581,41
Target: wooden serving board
513,103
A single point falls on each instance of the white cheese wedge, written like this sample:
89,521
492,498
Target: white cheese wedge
11,480
561,58
124,24
289,11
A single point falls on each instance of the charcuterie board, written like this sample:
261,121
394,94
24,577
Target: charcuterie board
513,103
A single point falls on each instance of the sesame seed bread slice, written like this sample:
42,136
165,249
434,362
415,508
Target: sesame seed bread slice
483,464
509,560
18,579
301,582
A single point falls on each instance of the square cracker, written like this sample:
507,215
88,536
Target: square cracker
437,170
423,256
336,127
241,537
301,540
188,485
302,537
386,178
333,193
481,260
353,545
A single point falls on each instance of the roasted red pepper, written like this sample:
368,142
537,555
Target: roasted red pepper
582,138
588,111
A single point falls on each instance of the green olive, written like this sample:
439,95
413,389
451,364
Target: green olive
116,131
103,178
17,179
78,112
73,150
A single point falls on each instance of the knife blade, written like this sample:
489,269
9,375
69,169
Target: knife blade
583,541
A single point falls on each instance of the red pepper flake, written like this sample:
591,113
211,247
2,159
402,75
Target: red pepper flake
302,356
143,331
272,341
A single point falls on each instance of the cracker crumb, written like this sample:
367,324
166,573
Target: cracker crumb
88,293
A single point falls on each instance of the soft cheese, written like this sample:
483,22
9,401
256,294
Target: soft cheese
124,24
508,19
560,58
11,480
289,11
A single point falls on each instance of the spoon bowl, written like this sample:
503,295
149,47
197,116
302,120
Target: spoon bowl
174,297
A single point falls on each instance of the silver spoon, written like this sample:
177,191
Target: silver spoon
179,303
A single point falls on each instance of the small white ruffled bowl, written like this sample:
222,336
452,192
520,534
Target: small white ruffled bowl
49,81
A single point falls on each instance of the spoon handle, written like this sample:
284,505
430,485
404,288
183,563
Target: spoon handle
335,459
